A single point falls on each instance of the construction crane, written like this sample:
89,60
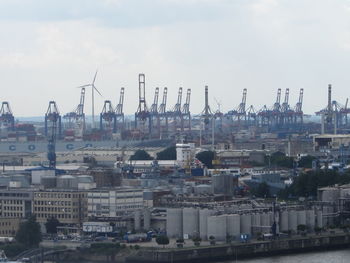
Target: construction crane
119,114
142,115
6,116
163,115
186,114
52,123
108,117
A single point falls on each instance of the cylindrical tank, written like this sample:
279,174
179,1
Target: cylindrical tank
310,219
284,225
233,225
137,220
174,222
302,217
203,223
292,220
246,224
67,182
265,223
319,218
217,227
85,179
256,223
49,181
190,222
146,219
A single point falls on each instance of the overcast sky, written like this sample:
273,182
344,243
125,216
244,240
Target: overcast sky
49,47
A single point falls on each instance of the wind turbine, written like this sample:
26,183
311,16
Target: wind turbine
93,88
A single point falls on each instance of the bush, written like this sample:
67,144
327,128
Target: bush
162,240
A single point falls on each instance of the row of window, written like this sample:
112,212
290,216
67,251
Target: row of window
12,208
12,202
58,195
15,194
5,214
58,216
61,203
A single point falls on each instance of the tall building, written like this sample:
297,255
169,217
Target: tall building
114,202
68,206
16,203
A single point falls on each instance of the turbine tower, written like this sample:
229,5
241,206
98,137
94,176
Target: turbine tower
93,88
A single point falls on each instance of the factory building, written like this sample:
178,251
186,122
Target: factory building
111,203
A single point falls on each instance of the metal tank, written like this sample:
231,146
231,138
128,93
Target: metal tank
265,223
292,220
217,227
146,219
284,226
301,217
67,182
319,216
233,225
203,222
190,222
246,224
49,181
310,220
137,220
256,223
85,179
174,222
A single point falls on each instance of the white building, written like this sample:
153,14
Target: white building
114,202
184,153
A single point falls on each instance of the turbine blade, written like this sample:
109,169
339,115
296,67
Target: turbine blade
83,86
93,82
97,90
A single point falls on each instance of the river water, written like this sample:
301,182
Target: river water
339,256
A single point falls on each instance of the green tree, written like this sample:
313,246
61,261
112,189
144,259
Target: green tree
167,154
262,190
306,161
29,233
141,155
51,225
162,240
206,157
279,159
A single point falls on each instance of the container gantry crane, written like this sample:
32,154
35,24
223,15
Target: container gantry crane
142,115
52,125
108,117
186,114
163,115
6,116
119,113
176,114
155,122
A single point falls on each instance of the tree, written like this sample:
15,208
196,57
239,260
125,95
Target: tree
197,241
51,225
29,233
162,240
279,159
167,154
141,155
262,190
212,240
306,161
206,157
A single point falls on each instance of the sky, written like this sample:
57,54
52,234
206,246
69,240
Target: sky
50,47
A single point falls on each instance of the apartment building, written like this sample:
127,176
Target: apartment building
9,226
68,206
114,202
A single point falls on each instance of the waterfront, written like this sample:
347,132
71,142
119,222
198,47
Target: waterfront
339,256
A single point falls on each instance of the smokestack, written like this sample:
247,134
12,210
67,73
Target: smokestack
329,98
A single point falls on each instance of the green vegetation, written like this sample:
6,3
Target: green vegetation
29,233
306,161
196,241
108,249
261,191
51,225
306,184
13,249
279,159
206,158
162,240
167,154
141,155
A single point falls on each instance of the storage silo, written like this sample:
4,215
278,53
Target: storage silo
319,215
146,219
217,227
292,220
233,225
265,223
246,224
137,220
256,223
174,222
67,182
190,222
284,225
310,220
203,222
49,181
301,217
